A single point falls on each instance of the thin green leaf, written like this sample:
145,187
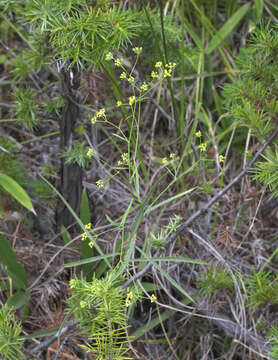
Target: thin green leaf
11,265
227,28
19,299
16,191
168,200
173,259
90,260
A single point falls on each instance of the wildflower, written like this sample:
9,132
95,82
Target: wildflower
202,147
123,75
119,103
137,50
153,298
198,134
93,120
124,156
170,65
120,162
109,56
100,183
167,73
144,87
118,62
91,244
158,64
88,226
128,298
221,158
90,152
100,113
164,161
172,156
131,100
131,79
154,74
130,295
84,236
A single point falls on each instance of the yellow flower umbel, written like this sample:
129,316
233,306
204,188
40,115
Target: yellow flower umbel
90,152
131,100
100,183
99,114
128,298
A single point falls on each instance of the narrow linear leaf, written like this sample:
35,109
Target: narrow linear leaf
11,265
227,28
16,191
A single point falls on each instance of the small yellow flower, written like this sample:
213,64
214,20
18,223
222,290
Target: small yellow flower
137,50
154,74
158,64
144,87
131,79
84,236
131,100
153,298
124,156
127,303
198,134
90,152
172,156
93,119
123,75
100,113
130,295
164,160
88,226
119,103
100,183
108,56
120,162
118,62
202,147
221,158
91,244
167,73
170,65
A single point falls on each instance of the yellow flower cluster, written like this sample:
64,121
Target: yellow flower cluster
158,64
109,56
99,114
221,158
168,69
153,298
172,156
124,160
128,299
85,235
144,86
118,62
131,100
90,152
100,183
137,50
202,147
